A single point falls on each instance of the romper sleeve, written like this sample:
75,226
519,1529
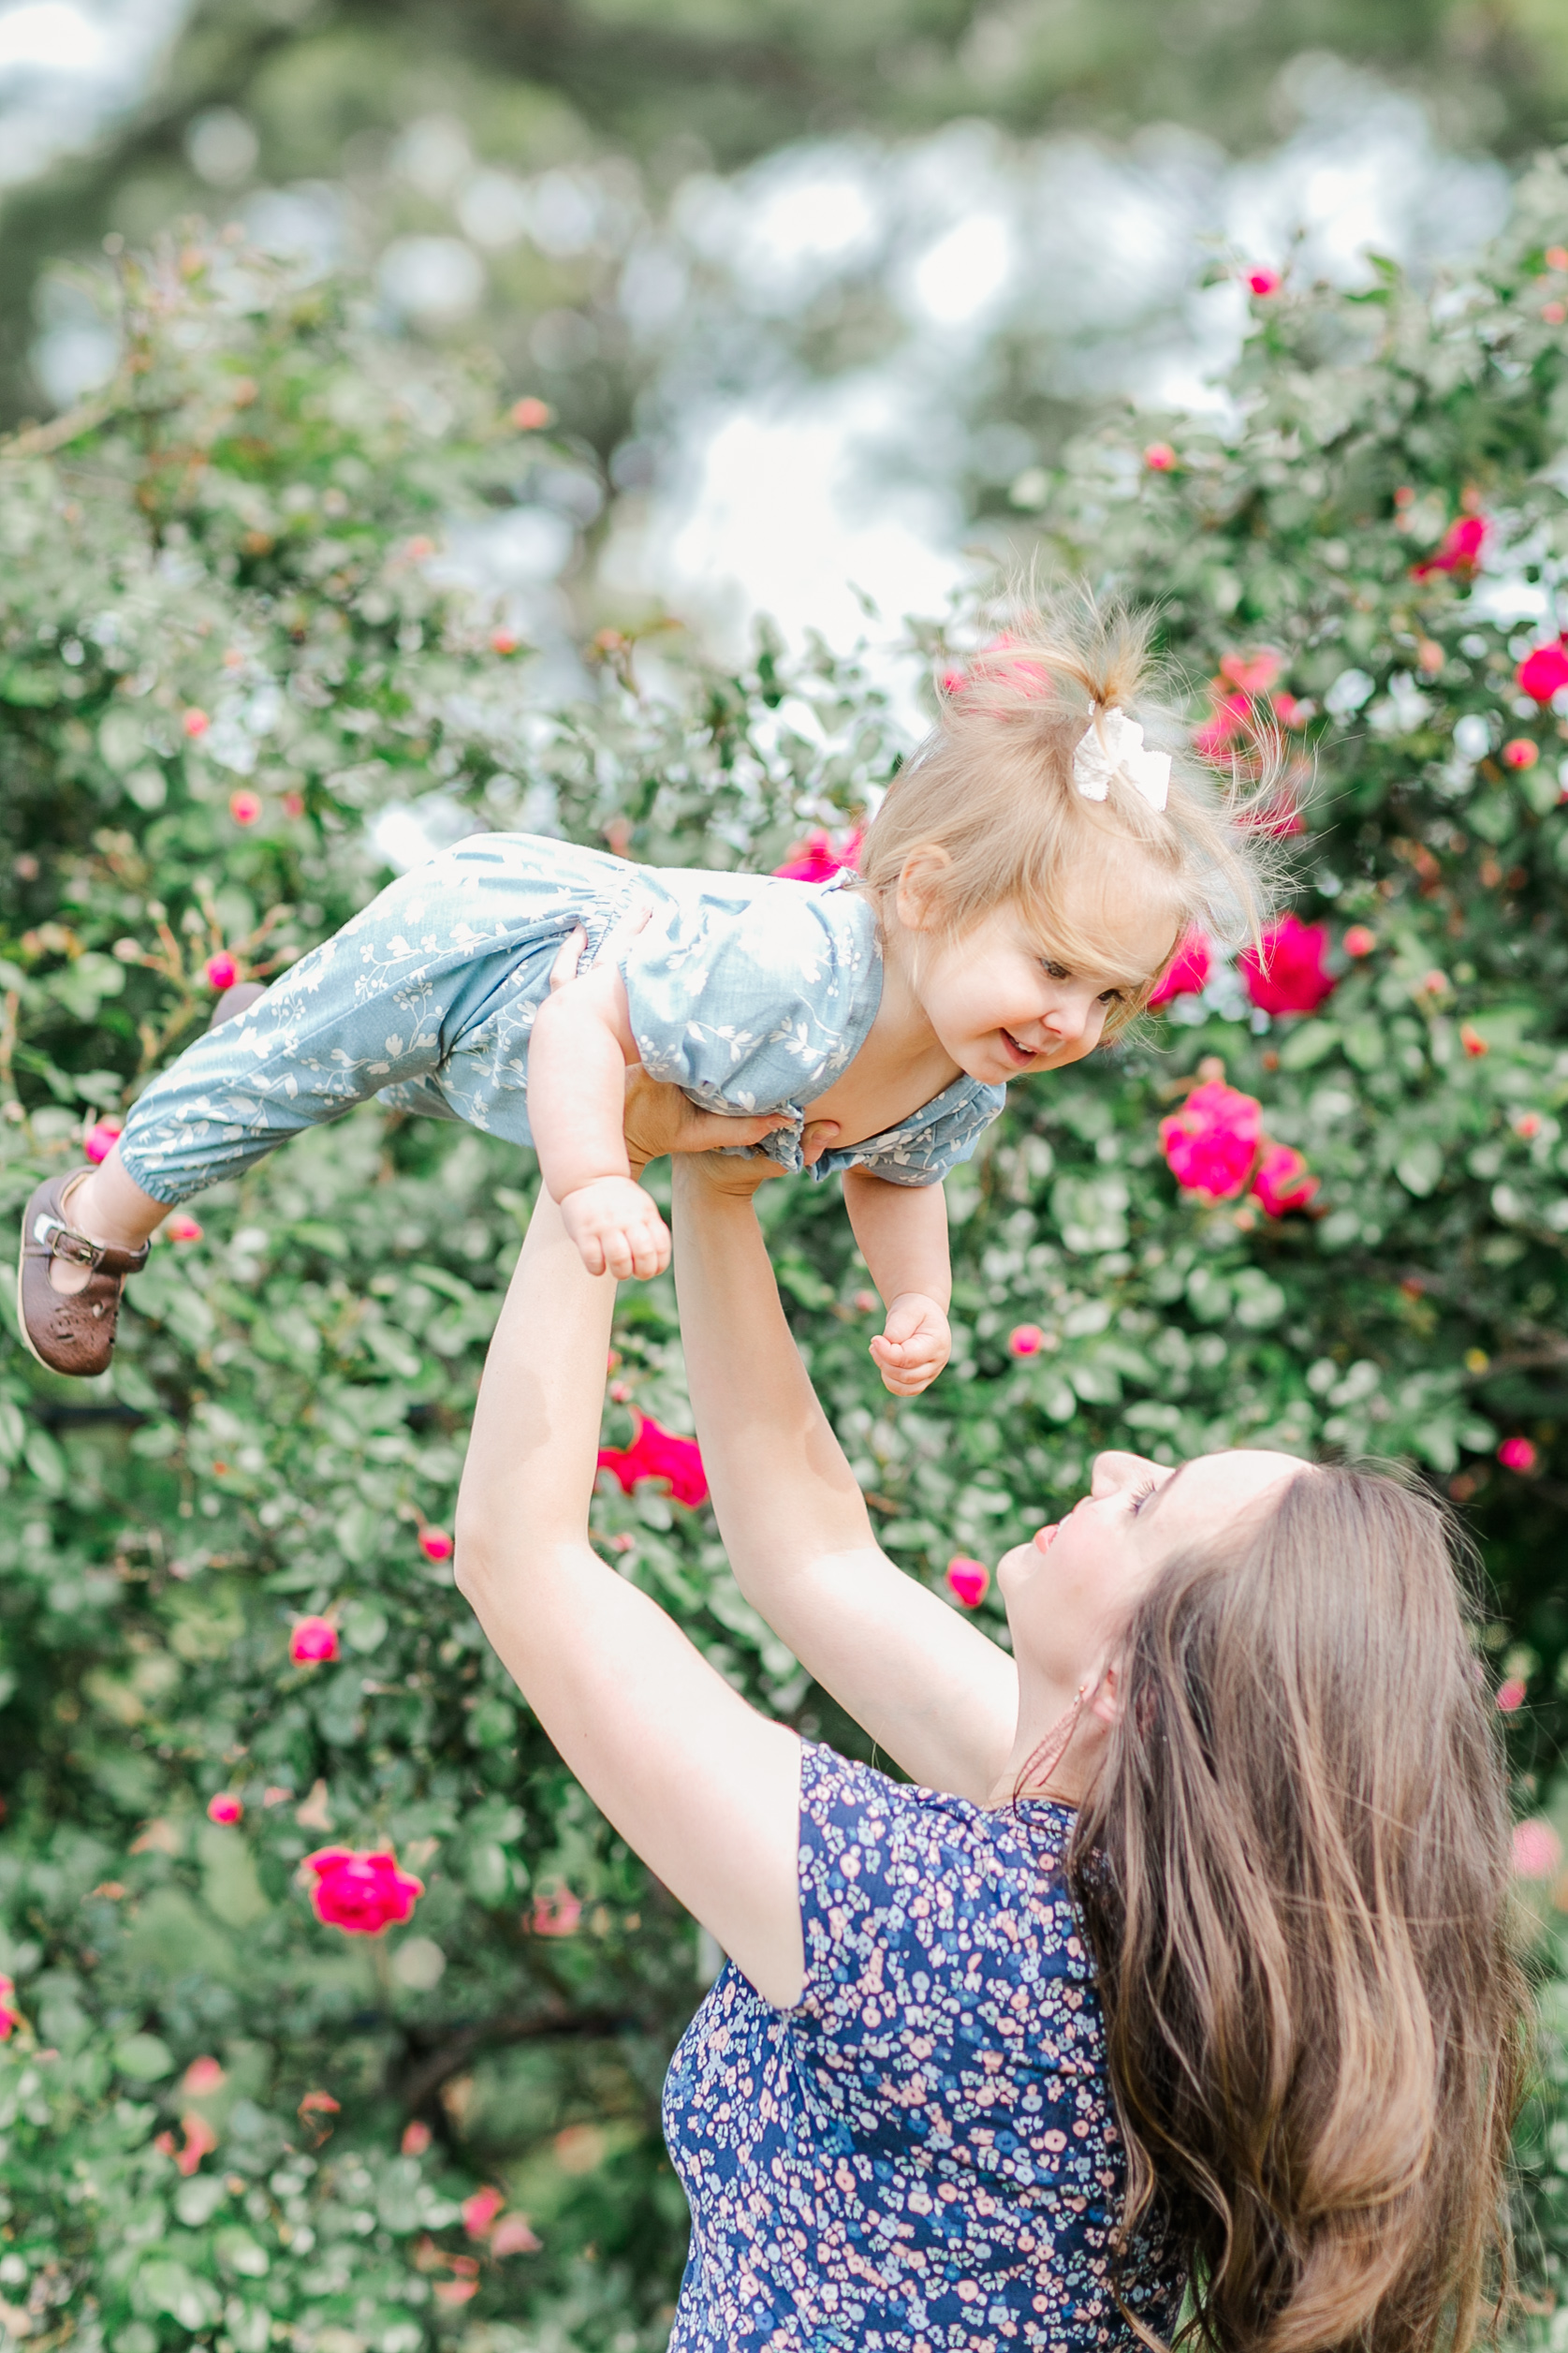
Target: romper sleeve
922,1149
754,996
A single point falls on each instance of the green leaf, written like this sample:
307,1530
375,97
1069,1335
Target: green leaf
1420,1167
1309,1043
144,2058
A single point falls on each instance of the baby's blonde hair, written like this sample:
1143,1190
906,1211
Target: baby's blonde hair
992,788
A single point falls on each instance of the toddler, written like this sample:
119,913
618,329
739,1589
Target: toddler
1027,879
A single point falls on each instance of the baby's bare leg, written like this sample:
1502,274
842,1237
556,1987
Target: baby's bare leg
108,1206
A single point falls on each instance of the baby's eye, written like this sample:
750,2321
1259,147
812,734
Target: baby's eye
1055,971
1110,996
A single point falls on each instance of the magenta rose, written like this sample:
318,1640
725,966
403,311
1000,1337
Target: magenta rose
1544,674
1283,1181
656,1453
1211,1143
1187,973
1289,976
361,1895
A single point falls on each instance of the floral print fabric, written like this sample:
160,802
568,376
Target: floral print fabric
920,2157
750,992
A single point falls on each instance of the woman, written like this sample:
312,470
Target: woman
1184,1968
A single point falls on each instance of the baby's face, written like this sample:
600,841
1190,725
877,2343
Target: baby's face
1003,1007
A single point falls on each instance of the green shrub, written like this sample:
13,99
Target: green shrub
243,533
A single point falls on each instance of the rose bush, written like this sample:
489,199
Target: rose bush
248,529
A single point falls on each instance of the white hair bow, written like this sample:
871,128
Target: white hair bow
1115,748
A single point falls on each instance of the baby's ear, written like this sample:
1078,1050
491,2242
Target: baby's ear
918,896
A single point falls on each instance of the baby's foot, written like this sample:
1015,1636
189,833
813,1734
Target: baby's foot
70,1330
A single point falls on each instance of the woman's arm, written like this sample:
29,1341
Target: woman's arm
706,1790
928,1689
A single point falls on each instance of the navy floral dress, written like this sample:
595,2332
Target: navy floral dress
920,2156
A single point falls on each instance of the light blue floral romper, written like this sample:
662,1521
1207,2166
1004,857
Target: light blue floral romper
750,992
920,2157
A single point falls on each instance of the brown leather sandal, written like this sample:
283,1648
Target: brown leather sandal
68,1332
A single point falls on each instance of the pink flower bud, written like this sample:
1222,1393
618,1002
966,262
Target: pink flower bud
1554,313
968,1581
1159,458
1025,1340
416,2139
436,1544
294,804
1556,257
201,2078
1544,674
195,723
532,416
867,1301
1359,941
505,641
244,807
225,1807
1520,752
1518,1454
1434,983
101,1138
1263,282
10,2017
312,1642
222,971
1537,1849
556,1915
1527,1125
514,2235
619,1392
1472,1042
1510,1694
182,1228
481,2210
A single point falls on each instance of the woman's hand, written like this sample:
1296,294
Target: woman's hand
661,1119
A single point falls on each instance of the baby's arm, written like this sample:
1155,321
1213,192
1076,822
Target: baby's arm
902,1233
578,1055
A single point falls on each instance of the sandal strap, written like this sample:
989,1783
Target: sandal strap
104,1258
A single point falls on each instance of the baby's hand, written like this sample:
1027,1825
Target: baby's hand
914,1345
617,1228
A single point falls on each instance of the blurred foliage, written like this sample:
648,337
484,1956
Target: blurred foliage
226,643
314,93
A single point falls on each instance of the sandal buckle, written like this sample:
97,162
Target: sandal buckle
74,1249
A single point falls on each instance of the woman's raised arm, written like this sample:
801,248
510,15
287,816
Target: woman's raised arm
933,1692
706,1790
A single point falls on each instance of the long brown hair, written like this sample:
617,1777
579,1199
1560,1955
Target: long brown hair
1293,1871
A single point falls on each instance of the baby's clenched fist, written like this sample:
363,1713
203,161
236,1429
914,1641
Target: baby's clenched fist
913,1345
617,1228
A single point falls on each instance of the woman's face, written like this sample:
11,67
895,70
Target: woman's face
1071,1590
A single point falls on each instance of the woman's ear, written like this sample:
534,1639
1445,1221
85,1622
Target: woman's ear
1105,1701
917,896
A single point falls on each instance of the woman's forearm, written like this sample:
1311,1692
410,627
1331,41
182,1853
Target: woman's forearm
928,1689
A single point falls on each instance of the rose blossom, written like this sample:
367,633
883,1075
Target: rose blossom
225,1808
222,971
481,2210
416,2139
1025,1340
1210,1143
514,2235
656,1453
101,1138
202,2078
182,1226
1288,975
1544,674
967,1581
815,860
312,1642
1283,1181
556,1915
1253,673
195,723
1510,1694
10,2017
1359,941
1159,456
1537,1849
1263,282
244,807
1520,751
1518,1454
360,1893
1187,973
529,415
436,1544
1459,550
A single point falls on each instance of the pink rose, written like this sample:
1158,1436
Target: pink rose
101,1138
360,1893
556,1915
1537,1849
1227,719
481,2210
416,2139
815,860
1263,282
1518,1454
436,1544
968,1581
10,2017
1459,550
529,415
1510,1694
1520,752
312,1642
183,1227
513,2235
1159,456
1025,1340
195,723
1359,941
1187,973
1289,975
1211,1143
1284,1182
1253,673
1544,674
200,2140
222,971
202,2078
656,1453
225,1808
244,807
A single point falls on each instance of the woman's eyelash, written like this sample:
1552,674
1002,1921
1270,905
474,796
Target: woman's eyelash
1140,1496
